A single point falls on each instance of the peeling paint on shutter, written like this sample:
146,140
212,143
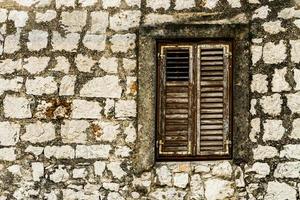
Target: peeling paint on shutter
174,120
213,91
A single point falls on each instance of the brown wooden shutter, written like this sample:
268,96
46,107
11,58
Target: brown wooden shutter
213,90
175,101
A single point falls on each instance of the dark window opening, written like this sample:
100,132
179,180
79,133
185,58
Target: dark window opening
194,100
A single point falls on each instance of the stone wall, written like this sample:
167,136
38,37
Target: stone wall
68,99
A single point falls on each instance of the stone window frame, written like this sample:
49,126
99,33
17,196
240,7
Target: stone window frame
144,157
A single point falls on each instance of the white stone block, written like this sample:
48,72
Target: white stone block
16,107
291,151
184,4
59,175
62,64
19,17
295,134
123,43
223,169
256,51
279,83
271,104
116,170
125,20
114,196
255,129
65,3
67,85
197,187
46,16
259,83
273,27
14,84
293,102
73,21
35,65
85,3
218,189
260,169
273,130
37,40
79,173
82,109
274,53
41,85
39,132
125,108
99,22
93,151
109,65
295,51
261,13
164,176
133,3
262,152
8,154
157,4
234,3
99,167
68,42
3,15
129,65
31,3
84,63
34,150
287,170
9,133
12,43
130,133
74,131
37,170
94,42
110,3
297,78
277,190
9,66
123,151
181,180
59,152
107,86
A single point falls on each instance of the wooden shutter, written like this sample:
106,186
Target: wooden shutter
175,100
214,101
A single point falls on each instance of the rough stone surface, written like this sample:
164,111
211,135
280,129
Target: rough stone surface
277,190
93,151
82,109
16,107
274,53
279,83
35,65
107,86
218,189
122,43
259,83
293,102
287,170
296,129
273,130
9,133
271,104
39,132
291,151
73,131
37,40
125,108
41,85
262,152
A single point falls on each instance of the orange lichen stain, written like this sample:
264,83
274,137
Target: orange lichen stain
133,88
96,130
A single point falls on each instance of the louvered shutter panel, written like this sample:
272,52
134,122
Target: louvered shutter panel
213,91
174,119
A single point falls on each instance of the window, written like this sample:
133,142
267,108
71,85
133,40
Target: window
193,110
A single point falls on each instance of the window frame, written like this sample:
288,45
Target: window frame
194,44
239,32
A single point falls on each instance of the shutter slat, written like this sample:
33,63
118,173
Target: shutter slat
176,102
213,113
